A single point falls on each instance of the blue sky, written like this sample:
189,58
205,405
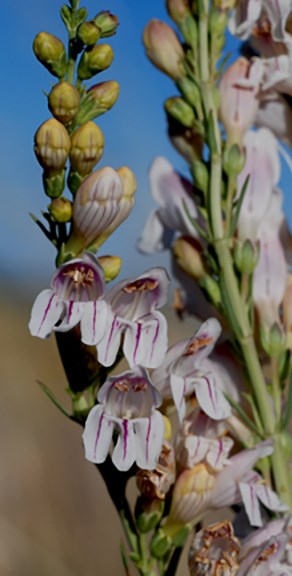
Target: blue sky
135,131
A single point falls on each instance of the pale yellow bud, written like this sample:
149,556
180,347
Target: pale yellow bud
188,253
52,145
111,266
64,102
61,210
129,181
87,143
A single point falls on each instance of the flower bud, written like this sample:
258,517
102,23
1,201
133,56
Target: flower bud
87,143
246,256
188,253
100,205
64,101
224,4
218,22
233,160
186,141
129,181
88,33
212,290
191,93
189,29
52,145
148,513
201,175
180,110
178,10
94,60
107,23
99,99
273,339
111,266
163,48
61,210
239,90
160,545
50,51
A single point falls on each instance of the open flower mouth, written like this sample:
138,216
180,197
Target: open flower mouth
141,285
198,344
78,281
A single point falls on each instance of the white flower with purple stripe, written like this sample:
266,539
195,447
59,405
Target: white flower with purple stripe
184,374
134,314
127,404
75,296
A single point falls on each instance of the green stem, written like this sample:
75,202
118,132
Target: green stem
279,467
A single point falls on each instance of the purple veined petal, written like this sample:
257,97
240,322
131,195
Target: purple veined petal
179,390
161,375
94,320
197,448
73,313
248,491
146,342
108,347
198,348
149,434
218,452
210,398
46,311
124,453
97,435
155,235
269,498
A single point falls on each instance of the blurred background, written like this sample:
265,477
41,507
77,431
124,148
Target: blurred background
55,517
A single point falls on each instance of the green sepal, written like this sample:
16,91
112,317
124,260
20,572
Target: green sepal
81,16
237,208
63,256
195,223
160,544
54,185
53,398
200,175
147,520
189,30
74,180
211,289
66,15
181,536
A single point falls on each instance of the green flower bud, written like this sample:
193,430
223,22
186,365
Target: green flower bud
74,180
88,33
211,289
191,93
50,51
273,339
111,266
180,110
189,29
54,183
148,514
61,210
218,22
160,544
87,143
52,145
107,23
178,10
99,99
64,102
246,256
94,60
233,160
201,175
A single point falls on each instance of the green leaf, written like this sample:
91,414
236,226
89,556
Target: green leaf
81,16
124,559
53,398
240,411
238,205
195,223
66,15
42,227
288,406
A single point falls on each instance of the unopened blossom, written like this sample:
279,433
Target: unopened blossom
75,296
183,374
101,204
239,97
267,552
126,404
214,551
202,488
163,48
248,12
174,197
133,314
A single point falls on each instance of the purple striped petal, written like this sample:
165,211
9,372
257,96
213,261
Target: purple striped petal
97,435
210,398
179,390
149,439
94,321
108,347
73,313
46,311
146,342
124,453
248,493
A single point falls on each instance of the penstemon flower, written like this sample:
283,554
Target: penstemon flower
183,373
173,193
133,313
75,296
127,403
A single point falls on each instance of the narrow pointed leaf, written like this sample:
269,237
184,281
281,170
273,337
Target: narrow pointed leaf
53,398
240,411
238,206
194,222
